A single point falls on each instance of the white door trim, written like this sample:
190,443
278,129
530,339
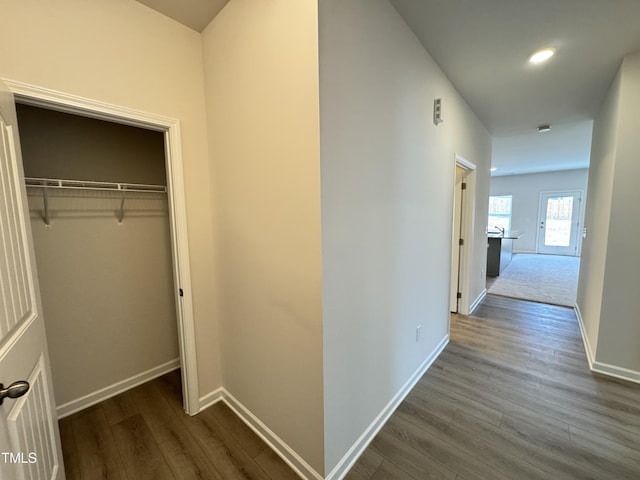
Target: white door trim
43,97
466,230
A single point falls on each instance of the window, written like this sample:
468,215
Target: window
499,212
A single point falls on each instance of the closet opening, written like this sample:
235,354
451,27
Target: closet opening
106,205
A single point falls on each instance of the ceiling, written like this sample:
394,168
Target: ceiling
195,14
483,45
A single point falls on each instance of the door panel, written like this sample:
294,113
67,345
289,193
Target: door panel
455,249
558,222
17,295
29,436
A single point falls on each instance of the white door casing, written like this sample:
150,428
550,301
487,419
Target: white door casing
559,222
456,247
467,228
64,102
29,435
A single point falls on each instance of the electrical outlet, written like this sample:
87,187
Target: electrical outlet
482,274
418,332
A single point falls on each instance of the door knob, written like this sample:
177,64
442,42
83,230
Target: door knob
15,390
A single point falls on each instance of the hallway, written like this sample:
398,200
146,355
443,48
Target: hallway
510,397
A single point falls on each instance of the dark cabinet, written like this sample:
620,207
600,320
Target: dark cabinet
499,255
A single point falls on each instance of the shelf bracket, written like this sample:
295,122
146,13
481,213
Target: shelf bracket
121,210
45,202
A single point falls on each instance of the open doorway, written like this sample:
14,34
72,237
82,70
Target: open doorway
179,285
535,220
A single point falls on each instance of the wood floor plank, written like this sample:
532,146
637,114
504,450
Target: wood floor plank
69,451
447,452
140,453
519,422
502,459
525,404
366,466
119,407
274,466
593,459
162,420
171,386
501,397
514,383
511,397
436,401
185,457
231,463
145,433
592,442
388,471
96,449
552,376
235,429
420,465
181,451
547,463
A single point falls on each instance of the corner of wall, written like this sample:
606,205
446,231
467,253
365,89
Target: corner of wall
261,95
349,459
585,339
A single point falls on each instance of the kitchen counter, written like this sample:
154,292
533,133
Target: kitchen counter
500,250
511,234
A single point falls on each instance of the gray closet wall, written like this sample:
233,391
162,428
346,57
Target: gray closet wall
107,288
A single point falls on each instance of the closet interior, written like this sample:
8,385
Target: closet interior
97,194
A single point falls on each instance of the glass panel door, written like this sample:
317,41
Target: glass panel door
559,214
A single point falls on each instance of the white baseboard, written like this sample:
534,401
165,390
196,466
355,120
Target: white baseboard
284,451
585,339
477,301
352,455
600,367
98,396
615,371
211,398
289,456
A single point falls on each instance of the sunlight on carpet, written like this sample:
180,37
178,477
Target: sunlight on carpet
541,278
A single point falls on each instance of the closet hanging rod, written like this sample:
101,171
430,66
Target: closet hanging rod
57,183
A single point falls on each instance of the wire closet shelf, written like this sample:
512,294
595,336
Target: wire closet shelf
120,188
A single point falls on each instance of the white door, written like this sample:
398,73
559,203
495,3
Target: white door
456,247
559,222
29,436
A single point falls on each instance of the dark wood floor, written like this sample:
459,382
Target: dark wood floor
145,434
511,397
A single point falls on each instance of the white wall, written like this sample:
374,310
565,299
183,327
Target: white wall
107,289
124,53
597,214
261,70
387,199
387,189
525,207
106,296
619,327
610,267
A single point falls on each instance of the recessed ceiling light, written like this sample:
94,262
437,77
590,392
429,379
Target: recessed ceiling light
493,169
542,55
543,128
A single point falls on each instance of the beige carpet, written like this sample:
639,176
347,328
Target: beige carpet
541,278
